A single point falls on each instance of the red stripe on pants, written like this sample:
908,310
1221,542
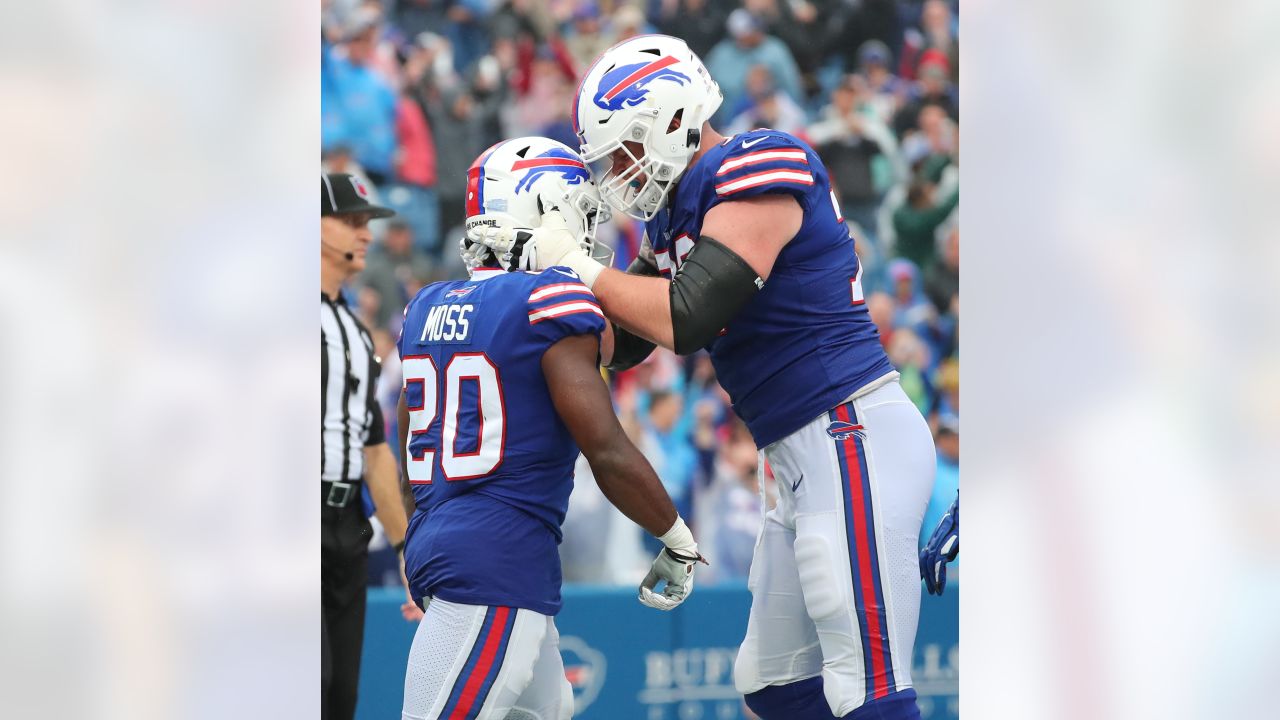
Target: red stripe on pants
858,509
491,643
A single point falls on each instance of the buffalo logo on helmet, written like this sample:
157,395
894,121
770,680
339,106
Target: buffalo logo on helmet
557,160
584,668
840,430
627,86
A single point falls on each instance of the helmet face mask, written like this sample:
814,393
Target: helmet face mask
637,187
514,182
650,93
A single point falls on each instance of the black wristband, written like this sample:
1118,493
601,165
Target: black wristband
399,547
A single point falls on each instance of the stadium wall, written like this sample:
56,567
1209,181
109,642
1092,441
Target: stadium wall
629,662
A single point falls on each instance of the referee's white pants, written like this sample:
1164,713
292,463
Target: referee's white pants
478,662
835,578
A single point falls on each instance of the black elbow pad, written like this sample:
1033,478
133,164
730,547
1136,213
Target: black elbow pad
629,349
710,288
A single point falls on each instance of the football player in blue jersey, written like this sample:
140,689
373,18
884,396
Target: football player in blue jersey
502,387
751,260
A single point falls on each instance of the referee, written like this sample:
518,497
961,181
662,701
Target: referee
353,446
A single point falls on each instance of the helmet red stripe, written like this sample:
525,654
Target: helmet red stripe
547,162
639,75
475,182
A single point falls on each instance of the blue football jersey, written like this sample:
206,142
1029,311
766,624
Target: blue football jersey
805,342
488,458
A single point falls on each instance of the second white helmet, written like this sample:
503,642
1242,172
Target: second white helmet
516,181
644,99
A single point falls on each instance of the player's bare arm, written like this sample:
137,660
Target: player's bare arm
582,400
402,428
628,481
740,241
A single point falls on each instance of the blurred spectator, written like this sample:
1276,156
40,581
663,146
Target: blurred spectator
942,278
546,96
870,259
460,138
854,24
947,381
587,38
937,35
917,219
466,31
412,193
851,140
933,88
358,105
395,271
947,480
796,23
728,514
628,22
887,91
880,307
490,92
700,23
766,107
731,59
910,356
418,16
912,310
931,145
667,446
560,128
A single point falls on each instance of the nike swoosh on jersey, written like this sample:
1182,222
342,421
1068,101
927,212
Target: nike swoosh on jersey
748,143
566,274
796,484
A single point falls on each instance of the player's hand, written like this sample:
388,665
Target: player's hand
521,248
942,548
411,611
675,568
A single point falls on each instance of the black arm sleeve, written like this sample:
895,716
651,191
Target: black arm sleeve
709,289
630,349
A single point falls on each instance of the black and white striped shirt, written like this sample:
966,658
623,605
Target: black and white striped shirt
349,412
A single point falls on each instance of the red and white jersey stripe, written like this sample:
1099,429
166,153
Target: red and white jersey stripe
796,156
571,307
764,178
547,291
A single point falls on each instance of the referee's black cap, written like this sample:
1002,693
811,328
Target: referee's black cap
344,194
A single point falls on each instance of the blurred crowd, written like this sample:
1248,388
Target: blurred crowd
413,90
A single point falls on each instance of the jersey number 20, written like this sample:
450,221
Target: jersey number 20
463,367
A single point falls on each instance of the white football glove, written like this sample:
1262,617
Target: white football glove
674,565
676,568
551,243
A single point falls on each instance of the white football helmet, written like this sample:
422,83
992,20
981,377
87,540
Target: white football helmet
514,182
635,93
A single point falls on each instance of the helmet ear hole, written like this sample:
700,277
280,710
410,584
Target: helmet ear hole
541,210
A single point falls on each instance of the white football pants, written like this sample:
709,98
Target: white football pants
835,578
478,662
